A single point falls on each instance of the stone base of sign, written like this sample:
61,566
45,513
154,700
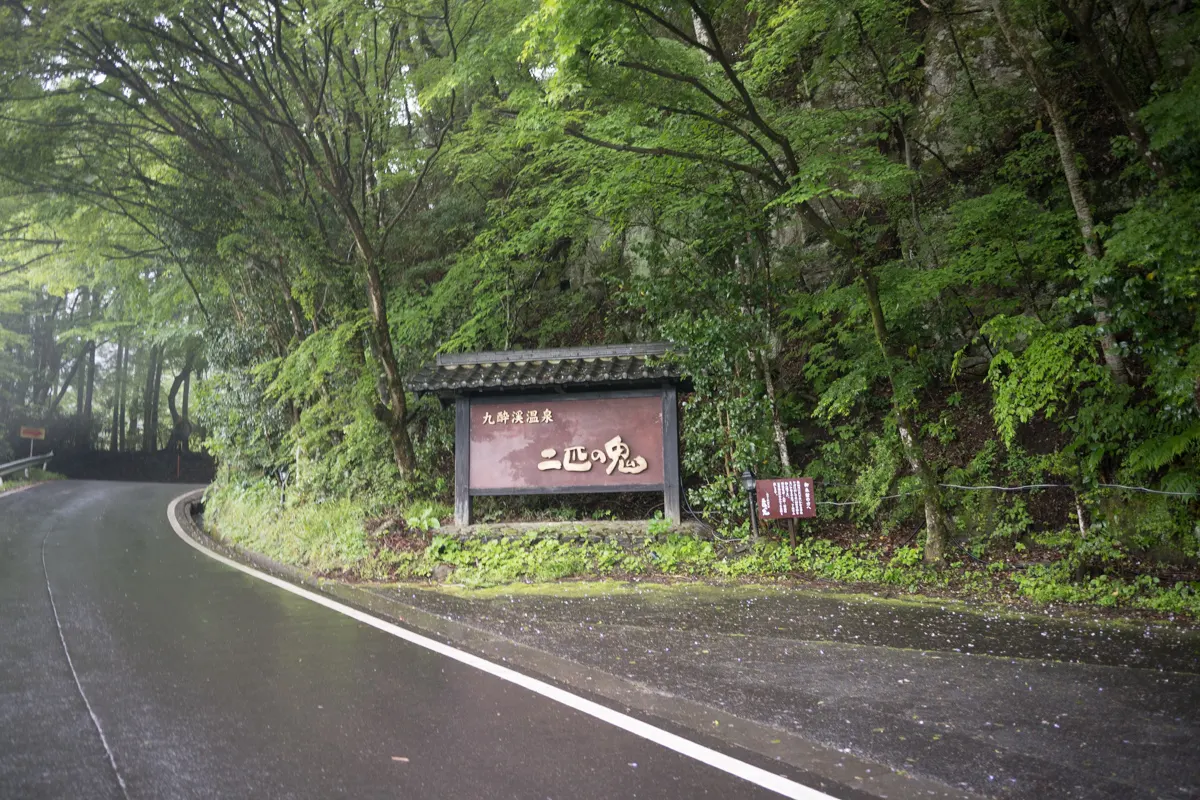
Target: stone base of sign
624,532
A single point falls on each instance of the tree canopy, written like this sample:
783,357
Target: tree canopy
909,246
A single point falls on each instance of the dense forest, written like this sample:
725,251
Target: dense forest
906,246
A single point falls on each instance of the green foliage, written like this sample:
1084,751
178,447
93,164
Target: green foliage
244,431
18,479
1044,378
1053,584
489,562
329,538
657,525
426,516
853,218
322,537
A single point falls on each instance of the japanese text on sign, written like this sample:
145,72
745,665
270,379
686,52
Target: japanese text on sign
552,443
786,498
576,459
518,417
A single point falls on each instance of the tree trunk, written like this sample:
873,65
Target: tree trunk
394,415
1091,244
144,405
66,384
187,420
49,358
1070,167
776,420
172,393
88,394
80,382
134,409
937,526
148,438
178,421
1114,86
289,300
124,390
155,401
114,439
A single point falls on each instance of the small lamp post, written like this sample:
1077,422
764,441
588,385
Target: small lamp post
748,483
281,475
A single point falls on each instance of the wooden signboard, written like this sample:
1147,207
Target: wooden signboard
786,498
610,441
594,444
561,420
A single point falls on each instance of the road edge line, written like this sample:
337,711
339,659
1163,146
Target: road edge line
671,741
62,637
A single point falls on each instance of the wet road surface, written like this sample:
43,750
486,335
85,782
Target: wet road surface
133,666
1001,704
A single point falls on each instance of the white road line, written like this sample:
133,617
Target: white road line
706,755
103,740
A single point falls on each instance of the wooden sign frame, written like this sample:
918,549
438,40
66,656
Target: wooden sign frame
670,485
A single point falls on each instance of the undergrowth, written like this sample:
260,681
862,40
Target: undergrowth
334,537
35,476
321,537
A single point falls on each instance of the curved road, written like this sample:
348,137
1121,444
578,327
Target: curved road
132,666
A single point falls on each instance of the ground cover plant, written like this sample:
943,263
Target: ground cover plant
18,480
336,540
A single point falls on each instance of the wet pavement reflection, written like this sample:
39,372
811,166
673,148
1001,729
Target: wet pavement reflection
209,683
998,703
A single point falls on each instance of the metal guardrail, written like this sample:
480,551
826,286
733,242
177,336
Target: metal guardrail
24,464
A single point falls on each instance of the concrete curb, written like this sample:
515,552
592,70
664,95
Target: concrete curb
825,766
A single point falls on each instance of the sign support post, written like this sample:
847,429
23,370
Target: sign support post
462,460
32,434
671,481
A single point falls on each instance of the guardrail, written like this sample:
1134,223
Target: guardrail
24,464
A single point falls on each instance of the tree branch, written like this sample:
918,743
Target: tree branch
672,153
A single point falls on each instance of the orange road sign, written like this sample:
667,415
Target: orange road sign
33,433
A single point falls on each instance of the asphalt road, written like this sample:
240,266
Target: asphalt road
132,666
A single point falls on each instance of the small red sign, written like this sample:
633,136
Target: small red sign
32,433
786,498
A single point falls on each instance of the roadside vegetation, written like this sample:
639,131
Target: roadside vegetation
337,539
18,480
943,257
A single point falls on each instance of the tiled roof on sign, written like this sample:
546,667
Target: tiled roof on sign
568,368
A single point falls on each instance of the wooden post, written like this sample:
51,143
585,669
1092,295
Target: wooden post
462,460
671,484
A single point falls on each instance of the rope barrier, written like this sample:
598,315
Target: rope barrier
1024,488
1147,491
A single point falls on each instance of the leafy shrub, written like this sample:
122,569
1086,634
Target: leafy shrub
426,516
